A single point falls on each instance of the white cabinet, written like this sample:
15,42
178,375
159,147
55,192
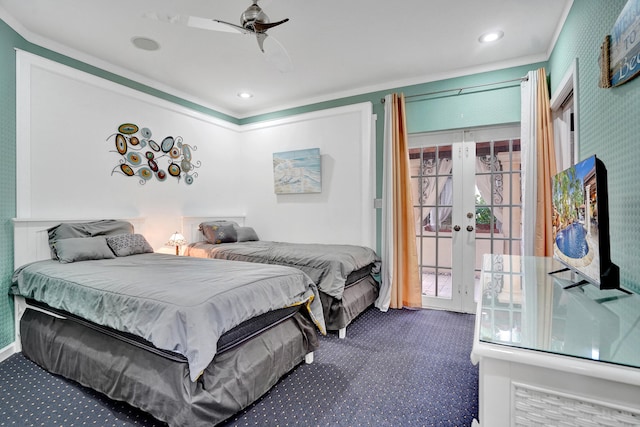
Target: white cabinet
550,356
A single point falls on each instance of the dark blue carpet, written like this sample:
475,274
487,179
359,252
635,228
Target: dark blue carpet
401,368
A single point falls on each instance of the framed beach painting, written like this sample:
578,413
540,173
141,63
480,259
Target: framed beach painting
624,53
296,172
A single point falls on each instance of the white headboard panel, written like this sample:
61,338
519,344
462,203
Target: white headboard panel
191,224
31,240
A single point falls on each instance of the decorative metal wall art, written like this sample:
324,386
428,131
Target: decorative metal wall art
144,158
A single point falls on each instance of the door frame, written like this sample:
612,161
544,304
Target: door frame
462,274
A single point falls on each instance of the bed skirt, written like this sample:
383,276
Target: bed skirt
357,297
160,384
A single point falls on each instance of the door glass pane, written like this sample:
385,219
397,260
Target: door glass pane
444,250
431,179
444,283
428,257
498,200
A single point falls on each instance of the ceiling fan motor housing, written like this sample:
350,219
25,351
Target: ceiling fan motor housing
253,14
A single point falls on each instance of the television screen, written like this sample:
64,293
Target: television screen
581,222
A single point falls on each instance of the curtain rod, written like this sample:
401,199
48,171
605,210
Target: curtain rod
460,89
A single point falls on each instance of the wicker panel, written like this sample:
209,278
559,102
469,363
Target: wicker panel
534,408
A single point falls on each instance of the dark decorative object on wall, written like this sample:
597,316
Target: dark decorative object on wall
605,61
145,158
620,52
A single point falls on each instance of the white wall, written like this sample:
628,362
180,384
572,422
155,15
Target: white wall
343,212
65,160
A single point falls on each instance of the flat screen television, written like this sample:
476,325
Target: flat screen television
581,223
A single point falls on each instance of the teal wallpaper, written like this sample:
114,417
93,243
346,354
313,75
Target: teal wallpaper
489,104
608,125
8,39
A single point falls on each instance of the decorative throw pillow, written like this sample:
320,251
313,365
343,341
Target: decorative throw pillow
218,233
83,249
246,234
129,244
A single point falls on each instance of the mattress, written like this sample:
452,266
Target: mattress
229,340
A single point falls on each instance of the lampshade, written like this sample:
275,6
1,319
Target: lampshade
176,239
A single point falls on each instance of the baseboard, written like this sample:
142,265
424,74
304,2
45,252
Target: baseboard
7,351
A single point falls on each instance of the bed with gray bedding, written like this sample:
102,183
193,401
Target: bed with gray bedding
342,273
191,341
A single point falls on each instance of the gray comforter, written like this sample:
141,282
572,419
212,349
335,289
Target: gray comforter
179,304
328,265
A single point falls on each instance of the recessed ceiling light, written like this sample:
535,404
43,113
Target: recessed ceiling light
491,36
245,95
145,43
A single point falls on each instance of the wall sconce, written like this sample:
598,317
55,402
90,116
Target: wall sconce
176,240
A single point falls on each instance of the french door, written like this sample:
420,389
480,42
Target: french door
466,204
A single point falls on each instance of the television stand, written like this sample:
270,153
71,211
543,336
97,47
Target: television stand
558,271
572,285
552,356
576,284
580,282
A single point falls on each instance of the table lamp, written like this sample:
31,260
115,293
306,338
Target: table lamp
176,240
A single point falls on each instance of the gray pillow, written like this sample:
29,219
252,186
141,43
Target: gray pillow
83,249
217,222
128,244
219,233
108,227
246,234
68,230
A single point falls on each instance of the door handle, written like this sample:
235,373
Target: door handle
469,227
456,228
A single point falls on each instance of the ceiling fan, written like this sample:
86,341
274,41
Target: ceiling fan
252,21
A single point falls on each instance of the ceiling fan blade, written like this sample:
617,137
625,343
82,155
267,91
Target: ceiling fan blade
260,37
276,54
214,25
262,27
195,22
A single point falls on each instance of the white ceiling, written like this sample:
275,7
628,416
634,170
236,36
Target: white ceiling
337,47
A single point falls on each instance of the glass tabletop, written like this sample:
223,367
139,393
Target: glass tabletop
524,306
